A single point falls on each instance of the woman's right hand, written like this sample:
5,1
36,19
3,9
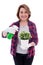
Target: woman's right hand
4,34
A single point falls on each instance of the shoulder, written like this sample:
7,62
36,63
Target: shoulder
32,23
14,23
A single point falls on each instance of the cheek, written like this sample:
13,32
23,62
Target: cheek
23,15
20,15
26,15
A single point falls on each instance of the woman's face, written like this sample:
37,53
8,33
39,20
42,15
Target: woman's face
23,14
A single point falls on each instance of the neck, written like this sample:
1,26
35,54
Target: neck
23,21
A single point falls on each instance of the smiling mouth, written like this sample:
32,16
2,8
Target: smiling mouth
23,16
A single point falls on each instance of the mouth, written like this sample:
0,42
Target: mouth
23,16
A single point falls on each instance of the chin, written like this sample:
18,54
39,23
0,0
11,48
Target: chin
23,19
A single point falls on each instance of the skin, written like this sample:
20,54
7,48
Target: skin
23,15
4,33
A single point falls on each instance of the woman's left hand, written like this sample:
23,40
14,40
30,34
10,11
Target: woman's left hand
31,44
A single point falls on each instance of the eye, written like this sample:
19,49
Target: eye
25,11
21,12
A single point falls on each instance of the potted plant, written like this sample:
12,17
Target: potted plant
24,37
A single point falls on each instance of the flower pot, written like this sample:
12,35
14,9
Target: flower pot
24,44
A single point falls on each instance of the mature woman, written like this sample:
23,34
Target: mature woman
20,56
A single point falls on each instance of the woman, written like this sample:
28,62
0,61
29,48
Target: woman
20,56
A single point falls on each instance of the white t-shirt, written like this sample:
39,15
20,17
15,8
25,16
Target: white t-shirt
19,50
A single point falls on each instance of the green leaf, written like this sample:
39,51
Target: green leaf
25,35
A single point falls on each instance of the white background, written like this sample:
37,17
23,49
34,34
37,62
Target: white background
8,9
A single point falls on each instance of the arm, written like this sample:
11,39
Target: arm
4,33
34,39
